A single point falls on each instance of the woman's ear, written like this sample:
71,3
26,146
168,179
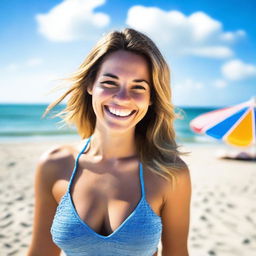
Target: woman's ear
89,90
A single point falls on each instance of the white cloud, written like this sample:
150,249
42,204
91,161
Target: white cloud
72,20
188,85
220,83
12,67
33,62
238,70
27,86
197,34
187,92
231,36
216,52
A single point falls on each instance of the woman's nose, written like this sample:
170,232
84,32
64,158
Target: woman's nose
122,94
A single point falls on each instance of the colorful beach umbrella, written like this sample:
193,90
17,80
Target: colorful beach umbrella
235,125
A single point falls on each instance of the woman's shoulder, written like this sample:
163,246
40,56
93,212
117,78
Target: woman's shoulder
57,154
54,161
182,178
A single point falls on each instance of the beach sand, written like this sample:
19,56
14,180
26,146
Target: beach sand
223,204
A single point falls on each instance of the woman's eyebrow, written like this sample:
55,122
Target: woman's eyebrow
135,80
110,75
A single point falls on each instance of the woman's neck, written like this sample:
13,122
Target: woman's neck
112,147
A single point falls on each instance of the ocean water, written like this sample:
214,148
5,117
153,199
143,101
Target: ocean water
24,122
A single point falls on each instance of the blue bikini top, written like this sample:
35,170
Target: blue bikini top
138,235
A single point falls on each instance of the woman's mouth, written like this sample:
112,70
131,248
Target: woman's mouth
119,114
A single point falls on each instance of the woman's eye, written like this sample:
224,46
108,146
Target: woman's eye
139,87
108,82
113,84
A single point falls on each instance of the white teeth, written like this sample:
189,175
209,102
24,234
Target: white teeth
119,112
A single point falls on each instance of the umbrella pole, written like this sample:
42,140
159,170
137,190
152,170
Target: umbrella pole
253,150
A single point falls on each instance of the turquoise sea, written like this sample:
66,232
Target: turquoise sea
23,122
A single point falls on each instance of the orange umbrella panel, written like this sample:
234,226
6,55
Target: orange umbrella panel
244,132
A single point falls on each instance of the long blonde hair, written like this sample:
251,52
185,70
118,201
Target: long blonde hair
155,135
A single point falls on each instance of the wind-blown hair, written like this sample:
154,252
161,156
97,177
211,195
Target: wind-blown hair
155,135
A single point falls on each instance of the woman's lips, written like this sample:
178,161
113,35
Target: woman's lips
116,116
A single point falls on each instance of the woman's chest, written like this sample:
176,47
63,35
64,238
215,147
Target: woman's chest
104,199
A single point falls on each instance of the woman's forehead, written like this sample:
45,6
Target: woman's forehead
125,63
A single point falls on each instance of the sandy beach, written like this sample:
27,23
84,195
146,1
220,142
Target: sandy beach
223,205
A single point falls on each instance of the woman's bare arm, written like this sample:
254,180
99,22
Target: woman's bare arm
176,217
44,209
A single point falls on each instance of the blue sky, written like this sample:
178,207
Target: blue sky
209,45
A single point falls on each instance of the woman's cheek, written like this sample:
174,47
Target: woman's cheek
141,97
103,92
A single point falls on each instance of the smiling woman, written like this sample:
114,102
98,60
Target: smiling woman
121,96
123,189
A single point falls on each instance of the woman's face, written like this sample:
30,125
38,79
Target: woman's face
121,91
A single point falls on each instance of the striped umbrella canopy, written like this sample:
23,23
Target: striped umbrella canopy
235,125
